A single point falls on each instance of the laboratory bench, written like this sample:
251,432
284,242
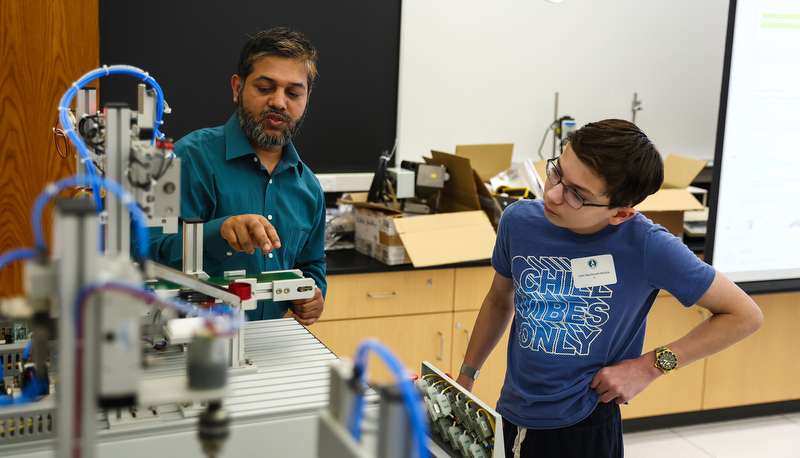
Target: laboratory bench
428,314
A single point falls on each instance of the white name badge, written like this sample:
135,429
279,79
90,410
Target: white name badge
593,271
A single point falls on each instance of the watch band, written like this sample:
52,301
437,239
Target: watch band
470,372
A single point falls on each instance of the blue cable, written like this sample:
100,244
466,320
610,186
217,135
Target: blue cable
127,199
416,413
27,350
16,254
70,132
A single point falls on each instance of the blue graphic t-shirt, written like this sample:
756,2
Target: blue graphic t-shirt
563,333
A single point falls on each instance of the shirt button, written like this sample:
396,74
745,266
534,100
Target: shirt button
269,217
255,159
229,253
270,255
270,181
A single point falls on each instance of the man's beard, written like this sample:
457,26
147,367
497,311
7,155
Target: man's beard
254,127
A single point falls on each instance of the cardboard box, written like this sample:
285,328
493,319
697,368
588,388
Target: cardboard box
394,238
487,160
426,240
464,190
376,235
667,206
447,238
462,231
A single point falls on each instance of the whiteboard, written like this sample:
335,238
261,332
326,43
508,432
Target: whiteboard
477,72
755,212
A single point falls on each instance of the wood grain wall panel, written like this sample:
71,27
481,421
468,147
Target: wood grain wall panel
45,45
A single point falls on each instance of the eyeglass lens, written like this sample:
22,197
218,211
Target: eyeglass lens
570,195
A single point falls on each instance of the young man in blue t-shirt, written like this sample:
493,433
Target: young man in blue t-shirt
576,275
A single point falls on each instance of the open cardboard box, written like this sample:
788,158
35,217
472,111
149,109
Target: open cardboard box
393,238
465,189
464,230
667,205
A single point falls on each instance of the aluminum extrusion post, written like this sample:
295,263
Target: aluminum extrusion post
118,146
395,438
193,248
76,234
85,105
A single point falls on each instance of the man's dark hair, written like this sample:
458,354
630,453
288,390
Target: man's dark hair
623,156
280,41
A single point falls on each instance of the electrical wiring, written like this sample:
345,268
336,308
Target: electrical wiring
488,417
415,408
124,196
165,165
94,135
60,133
162,346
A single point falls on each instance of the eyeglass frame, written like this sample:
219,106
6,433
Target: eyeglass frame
552,166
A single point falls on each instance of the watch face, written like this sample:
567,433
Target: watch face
667,360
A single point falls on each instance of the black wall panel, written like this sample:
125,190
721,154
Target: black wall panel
191,49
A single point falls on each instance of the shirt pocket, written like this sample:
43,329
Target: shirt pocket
294,249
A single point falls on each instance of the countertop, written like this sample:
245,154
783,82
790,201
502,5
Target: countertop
342,262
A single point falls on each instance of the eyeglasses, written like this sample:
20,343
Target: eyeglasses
571,196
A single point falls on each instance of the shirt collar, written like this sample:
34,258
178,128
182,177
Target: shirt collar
237,145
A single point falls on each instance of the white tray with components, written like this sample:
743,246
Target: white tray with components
460,423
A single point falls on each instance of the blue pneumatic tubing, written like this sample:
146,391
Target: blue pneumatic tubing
15,255
110,185
415,410
66,125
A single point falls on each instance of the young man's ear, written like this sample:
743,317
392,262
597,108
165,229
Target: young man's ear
623,214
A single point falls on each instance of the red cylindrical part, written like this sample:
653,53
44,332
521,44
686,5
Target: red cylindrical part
241,289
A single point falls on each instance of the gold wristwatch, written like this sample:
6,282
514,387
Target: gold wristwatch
666,360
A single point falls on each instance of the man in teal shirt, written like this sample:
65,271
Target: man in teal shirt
262,207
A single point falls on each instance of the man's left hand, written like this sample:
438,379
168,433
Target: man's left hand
624,380
308,311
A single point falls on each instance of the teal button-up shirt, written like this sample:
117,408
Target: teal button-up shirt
221,176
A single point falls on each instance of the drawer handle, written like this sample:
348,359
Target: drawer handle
381,296
441,346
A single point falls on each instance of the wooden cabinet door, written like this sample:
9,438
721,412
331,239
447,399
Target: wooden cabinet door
388,294
493,372
681,391
471,286
413,339
763,367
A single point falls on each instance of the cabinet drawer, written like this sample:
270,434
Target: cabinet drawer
472,284
493,373
682,391
388,294
412,338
